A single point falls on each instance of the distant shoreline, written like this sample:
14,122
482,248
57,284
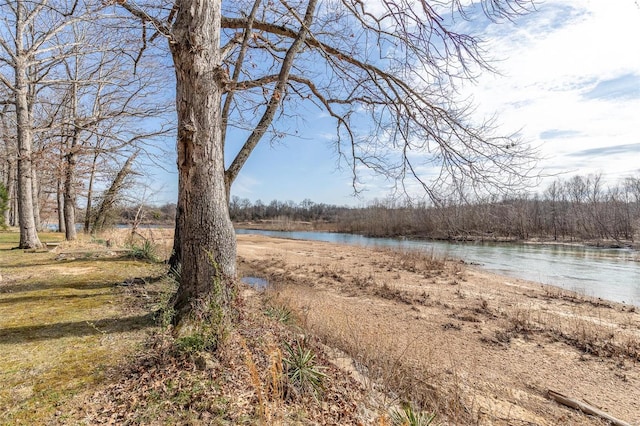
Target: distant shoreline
301,226
310,226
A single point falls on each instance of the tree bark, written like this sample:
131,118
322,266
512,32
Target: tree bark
28,232
70,197
207,247
175,262
35,192
87,213
9,214
60,200
9,169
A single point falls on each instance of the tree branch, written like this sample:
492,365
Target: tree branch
276,97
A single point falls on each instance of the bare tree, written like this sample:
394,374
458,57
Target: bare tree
110,196
27,32
248,63
9,164
84,99
103,95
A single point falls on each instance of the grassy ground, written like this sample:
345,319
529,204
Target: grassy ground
341,336
81,344
65,320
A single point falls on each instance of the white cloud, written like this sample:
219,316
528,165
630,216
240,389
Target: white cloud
552,59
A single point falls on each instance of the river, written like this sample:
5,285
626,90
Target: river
611,274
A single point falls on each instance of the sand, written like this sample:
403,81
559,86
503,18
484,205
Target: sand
477,347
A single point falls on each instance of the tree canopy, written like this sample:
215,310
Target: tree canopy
386,72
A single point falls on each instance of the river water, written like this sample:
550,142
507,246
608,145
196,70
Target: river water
612,274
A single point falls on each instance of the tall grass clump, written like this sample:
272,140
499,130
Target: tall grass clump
280,313
408,416
145,251
301,369
419,261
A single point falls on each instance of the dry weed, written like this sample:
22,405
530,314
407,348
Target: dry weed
263,411
577,328
391,363
416,261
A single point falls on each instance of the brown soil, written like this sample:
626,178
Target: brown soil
474,347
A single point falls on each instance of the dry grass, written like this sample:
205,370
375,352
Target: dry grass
286,224
242,383
427,262
77,349
577,327
452,339
393,365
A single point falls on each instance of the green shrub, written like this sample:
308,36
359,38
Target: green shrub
300,368
280,313
195,343
407,416
146,251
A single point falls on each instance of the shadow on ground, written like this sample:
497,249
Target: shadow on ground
53,298
26,334
83,285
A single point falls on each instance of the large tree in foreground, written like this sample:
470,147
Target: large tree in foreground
245,64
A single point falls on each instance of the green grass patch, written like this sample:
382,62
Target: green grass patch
64,323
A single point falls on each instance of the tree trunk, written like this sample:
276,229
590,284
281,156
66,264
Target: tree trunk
60,200
28,232
35,192
111,195
70,164
175,262
13,217
10,187
87,213
69,177
70,197
9,168
207,240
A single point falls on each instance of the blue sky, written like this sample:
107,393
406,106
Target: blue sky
569,82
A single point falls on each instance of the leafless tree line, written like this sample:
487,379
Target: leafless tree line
75,112
242,209
581,208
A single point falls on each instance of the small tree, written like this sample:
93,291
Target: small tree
27,33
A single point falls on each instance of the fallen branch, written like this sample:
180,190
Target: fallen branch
584,407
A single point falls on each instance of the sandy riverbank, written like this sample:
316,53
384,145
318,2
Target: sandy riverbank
476,346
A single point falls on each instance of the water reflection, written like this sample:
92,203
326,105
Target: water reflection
607,273
255,282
